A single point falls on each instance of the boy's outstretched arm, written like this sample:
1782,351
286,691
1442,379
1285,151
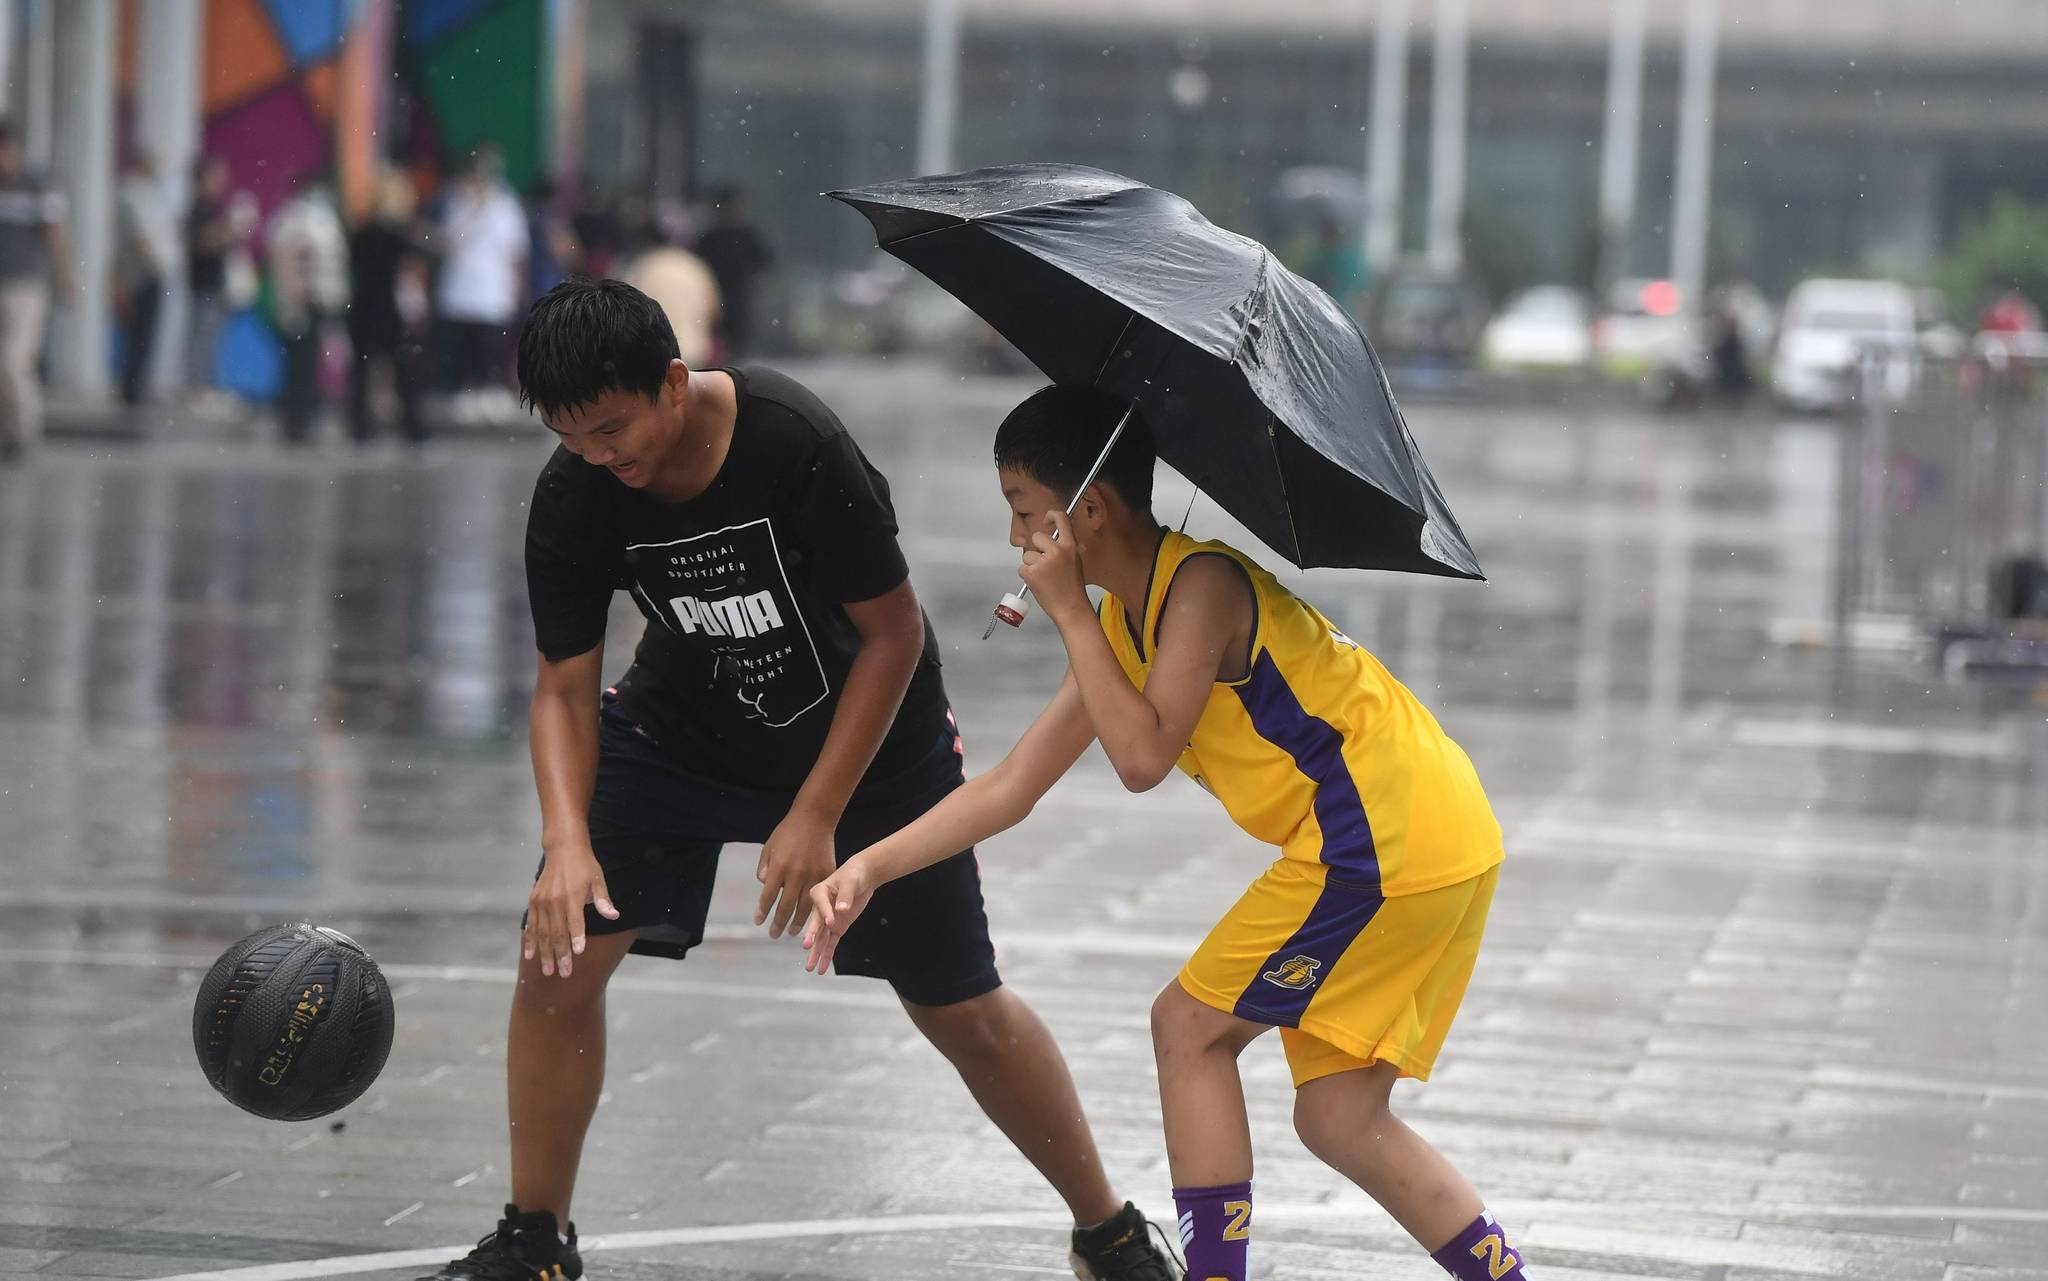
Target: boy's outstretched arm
988,803
1208,614
563,738
799,851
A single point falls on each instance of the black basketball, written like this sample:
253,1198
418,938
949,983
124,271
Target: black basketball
292,1022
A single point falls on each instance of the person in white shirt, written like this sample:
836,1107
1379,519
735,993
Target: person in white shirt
484,243
309,276
145,255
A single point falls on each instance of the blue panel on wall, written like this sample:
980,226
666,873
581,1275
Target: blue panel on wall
311,29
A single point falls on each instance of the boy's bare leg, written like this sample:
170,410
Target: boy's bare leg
554,1071
1015,1071
1345,1121
1208,1137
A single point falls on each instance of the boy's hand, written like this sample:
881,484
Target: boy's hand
569,878
1052,567
798,855
839,898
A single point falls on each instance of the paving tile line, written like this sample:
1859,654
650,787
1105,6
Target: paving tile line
1322,1214
817,992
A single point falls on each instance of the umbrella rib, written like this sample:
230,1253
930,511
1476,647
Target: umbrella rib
972,219
1300,556
1129,319
931,231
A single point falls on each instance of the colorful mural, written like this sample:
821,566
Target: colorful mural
480,72
281,75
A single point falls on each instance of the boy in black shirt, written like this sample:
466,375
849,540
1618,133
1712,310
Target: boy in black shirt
786,691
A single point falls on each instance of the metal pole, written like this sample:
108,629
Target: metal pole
569,20
1620,139
1388,127
10,18
1447,133
84,139
1691,189
40,76
167,120
939,105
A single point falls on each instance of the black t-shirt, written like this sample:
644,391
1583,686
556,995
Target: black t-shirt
206,265
744,588
376,252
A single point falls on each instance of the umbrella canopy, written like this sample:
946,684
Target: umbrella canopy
1258,387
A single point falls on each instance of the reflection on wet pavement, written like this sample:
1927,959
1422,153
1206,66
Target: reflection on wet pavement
1761,997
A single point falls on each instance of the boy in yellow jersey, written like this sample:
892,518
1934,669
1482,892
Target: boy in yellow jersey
1356,943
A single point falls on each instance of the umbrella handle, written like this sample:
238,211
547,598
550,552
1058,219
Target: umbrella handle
1010,609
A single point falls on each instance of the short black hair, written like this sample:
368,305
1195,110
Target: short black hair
1055,435
586,337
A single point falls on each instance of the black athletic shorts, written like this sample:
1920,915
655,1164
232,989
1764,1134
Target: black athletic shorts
657,828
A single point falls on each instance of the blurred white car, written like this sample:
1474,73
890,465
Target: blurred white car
1827,323
1546,327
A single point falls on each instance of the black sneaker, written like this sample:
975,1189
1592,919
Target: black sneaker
524,1248
1123,1250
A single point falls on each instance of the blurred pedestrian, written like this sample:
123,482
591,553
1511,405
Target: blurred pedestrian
145,254
483,244
737,256
214,229
32,255
309,282
1728,353
553,253
388,311
1334,263
684,287
594,221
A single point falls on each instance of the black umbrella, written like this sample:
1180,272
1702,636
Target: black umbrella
1259,388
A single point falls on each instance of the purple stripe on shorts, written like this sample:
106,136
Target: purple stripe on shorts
1293,974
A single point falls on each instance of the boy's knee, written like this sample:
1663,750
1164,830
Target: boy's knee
973,1028
1316,1127
1181,1024
1329,1118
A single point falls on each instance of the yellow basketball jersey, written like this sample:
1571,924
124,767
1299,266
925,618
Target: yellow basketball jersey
1319,750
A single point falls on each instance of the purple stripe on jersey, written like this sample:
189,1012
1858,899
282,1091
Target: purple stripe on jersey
1293,975
1317,749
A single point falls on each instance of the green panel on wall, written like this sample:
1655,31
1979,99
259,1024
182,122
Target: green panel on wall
489,80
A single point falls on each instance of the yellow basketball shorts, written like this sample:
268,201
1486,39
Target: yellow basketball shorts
1349,978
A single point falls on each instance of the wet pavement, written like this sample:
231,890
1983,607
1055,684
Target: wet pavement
1765,992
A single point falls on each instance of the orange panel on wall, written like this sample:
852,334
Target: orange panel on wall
243,54
320,85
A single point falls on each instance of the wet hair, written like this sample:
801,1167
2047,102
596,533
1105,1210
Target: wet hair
1055,434
585,337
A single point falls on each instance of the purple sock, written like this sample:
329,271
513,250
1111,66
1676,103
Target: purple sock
1216,1230
1481,1253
